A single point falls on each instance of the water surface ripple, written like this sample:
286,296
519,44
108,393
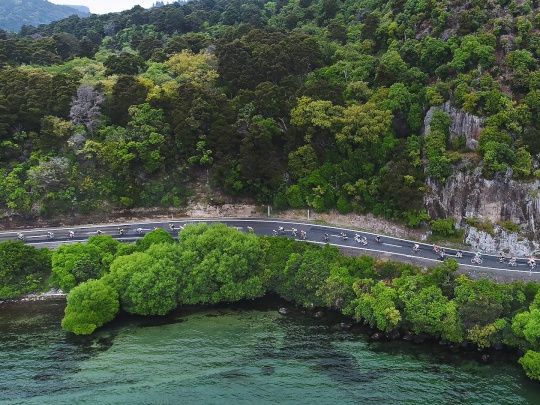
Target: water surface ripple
236,355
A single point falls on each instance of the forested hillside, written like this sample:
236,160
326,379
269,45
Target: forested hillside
305,103
16,13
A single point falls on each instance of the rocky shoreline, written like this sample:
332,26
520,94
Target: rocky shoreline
50,295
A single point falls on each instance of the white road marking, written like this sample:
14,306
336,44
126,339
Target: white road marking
389,244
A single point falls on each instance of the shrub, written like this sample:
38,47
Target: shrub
443,227
510,226
416,218
295,198
482,225
343,205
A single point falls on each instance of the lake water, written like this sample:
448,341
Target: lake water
234,355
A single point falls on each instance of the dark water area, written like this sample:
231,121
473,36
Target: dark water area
244,353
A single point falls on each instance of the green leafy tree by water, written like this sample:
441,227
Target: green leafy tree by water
89,306
76,263
23,269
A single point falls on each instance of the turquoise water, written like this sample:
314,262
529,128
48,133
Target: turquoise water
233,355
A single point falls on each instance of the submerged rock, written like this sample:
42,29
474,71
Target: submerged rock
376,336
283,311
408,336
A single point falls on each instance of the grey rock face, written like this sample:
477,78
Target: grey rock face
468,194
502,241
463,124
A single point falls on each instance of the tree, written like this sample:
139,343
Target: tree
523,163
305,274
480,302
425,310
86,107
531,364
314,113
124,64
147,283
50,175
127,91
364,124
195,69
219,264
378,306
89,306
23,269
392,68
155,237
76,263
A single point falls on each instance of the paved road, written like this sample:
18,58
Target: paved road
315,234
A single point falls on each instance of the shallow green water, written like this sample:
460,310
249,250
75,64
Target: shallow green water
236,355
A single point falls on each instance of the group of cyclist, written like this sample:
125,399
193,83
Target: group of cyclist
362,240
121,232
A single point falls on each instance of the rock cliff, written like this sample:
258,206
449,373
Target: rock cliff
467,194
463,124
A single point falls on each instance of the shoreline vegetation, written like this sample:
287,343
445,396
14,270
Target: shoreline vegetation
213,264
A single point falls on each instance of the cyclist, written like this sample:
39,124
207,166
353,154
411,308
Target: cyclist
71,234
378,239
326,237
20,236
50,235
477,259
442,254
416,248
513,262
459,254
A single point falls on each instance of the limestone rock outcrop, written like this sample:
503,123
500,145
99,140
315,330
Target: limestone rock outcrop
463,124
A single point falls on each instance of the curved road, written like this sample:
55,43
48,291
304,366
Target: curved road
315,234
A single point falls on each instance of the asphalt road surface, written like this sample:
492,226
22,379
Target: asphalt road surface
394,247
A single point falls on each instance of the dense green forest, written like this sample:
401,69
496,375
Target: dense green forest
303,103
213,264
